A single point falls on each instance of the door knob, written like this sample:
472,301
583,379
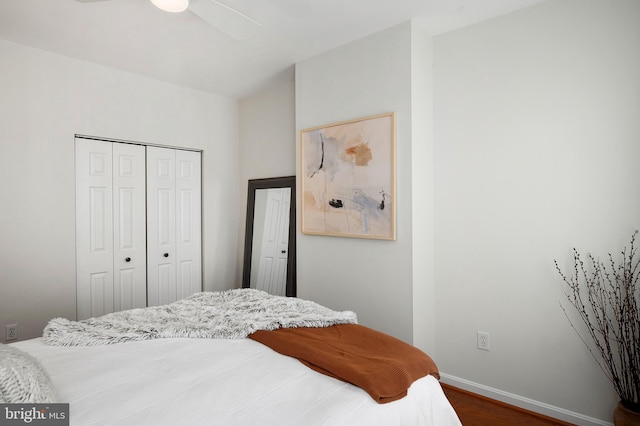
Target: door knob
166,255
283,251
128,259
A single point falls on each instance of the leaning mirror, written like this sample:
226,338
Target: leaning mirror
270,237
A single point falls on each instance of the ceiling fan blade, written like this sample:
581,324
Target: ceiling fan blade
225,18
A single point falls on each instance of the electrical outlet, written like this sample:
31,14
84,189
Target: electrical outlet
483,341
11,332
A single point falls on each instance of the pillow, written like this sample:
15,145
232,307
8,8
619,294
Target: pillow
22,378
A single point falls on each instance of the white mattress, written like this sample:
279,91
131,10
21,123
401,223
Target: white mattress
219,382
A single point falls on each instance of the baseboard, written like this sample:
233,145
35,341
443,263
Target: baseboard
522,402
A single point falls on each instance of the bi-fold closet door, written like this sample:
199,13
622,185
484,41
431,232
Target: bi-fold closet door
173,224
138,222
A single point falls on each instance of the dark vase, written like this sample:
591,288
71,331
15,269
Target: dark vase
622,416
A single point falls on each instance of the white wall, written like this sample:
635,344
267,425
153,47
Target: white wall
267,133
422,199
48,98
537,145
375,278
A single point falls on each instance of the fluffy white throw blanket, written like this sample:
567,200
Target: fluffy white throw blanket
230,314
23,379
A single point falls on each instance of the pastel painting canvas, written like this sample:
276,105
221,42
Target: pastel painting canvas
348,178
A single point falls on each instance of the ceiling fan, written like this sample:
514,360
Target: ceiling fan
217,14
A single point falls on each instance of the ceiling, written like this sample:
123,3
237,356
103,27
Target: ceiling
181,48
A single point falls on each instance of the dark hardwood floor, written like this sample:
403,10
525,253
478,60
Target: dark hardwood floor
478,410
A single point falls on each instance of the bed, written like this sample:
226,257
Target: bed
176,379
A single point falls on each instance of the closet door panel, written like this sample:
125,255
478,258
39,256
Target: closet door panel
188,223
101,294
161,226
166,291
94,228
130,249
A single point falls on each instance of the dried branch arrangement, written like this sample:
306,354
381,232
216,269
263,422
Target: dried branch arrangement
606,296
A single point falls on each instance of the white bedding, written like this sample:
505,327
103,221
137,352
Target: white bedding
219,382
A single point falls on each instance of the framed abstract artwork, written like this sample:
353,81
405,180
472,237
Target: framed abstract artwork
348,178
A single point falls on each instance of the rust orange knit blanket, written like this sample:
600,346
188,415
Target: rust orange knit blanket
380,364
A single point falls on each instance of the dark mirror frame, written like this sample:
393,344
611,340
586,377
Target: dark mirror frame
278,182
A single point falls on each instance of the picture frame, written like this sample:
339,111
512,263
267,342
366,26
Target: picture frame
348,178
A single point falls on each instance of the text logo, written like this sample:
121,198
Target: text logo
34,414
